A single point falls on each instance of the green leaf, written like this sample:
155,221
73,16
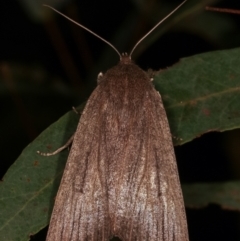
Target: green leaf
28,189
200,94
225,194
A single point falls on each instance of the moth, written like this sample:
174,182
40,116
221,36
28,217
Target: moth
121,178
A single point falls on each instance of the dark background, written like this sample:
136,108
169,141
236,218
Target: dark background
48,65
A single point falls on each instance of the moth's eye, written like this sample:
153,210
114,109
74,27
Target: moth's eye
99,78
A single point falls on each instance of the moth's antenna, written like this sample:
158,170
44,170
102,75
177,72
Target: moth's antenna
80,25
156,27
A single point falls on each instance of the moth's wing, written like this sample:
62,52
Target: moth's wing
144,192
149,204
81,209
121,177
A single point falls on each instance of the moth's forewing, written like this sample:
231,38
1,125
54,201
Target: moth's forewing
121,176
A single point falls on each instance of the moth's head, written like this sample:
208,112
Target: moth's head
125,58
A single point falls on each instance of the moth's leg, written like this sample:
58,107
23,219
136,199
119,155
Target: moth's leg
68,143
176,138
75,110
151,73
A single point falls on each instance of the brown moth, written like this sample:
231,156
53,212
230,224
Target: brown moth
121,178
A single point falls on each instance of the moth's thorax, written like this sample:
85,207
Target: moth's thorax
126,69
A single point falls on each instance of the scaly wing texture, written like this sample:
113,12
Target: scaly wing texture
121,177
